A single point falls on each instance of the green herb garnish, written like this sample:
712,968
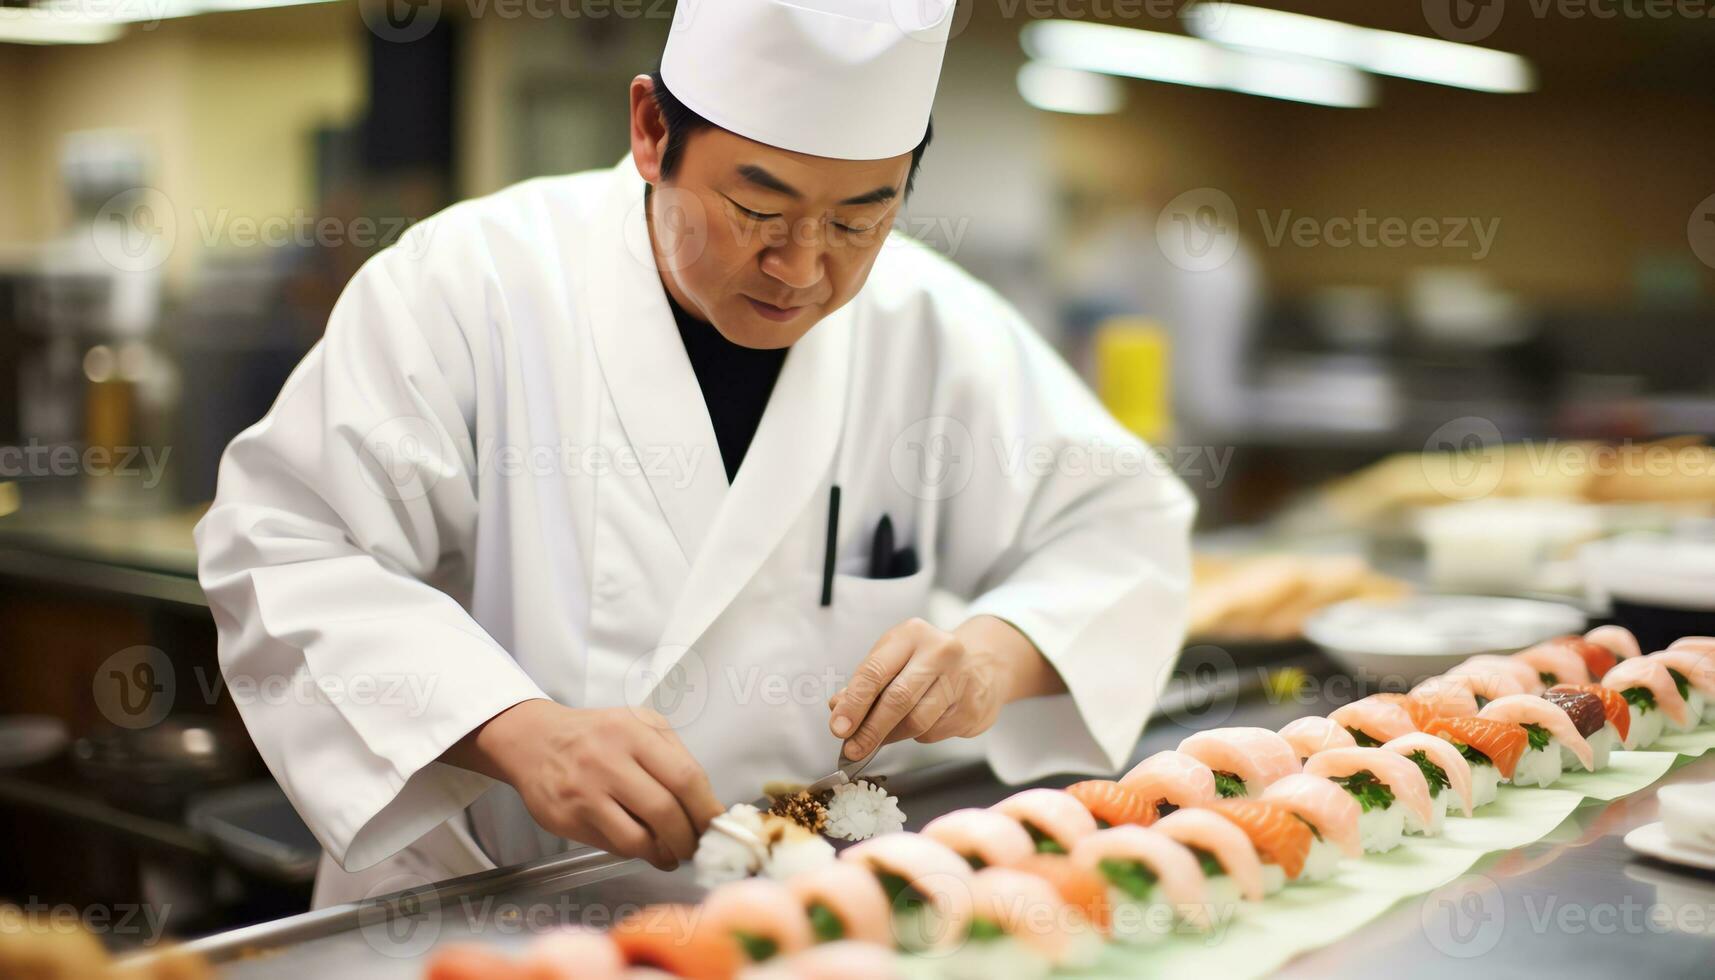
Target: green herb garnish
1547,679
1433,774
826,925
1364,740
1472,756
1482,702
1314,832
976,863
900,895
1130,877
1641,698
1211,864
1228,785
1102,824
1370,793
757,948
1680,682
986,929
1044,843
1538,736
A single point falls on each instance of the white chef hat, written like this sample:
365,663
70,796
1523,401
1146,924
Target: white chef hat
851,79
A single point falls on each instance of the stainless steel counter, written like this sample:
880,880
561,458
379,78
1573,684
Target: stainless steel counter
1579,902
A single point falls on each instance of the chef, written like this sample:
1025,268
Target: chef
610,497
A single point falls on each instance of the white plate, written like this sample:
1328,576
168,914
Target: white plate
1651,839
1407,640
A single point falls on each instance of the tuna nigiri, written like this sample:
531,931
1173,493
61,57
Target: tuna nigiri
1652,697
1617,639
1615,708
926,883
1694,676
1449,697
1547,730
1386,787
1332,815
1112,804
1555,663
1282,841
1372,721
1493,749
761,914
1152,881
1313,733
982,837
1443,768
1244,760
1590,718
1171,780
1229,860
1054,818
843,901
677,939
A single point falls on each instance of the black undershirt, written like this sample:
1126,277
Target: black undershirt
736,382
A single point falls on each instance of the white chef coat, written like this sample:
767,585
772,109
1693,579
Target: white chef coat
495,479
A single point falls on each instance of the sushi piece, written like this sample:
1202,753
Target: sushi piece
860,809
1112,804
1555,663
1491,747
1282,841
1082,888
1420,711
1617,640
459,961
792,849
1244,760
1485,686
1054,818
1598,659
678,940
1331,814
984,838
927,887
1313,733
1386,787
843,902
843,960
1232,871
573,953
1704,645
1446,772
1589,715
1019,928
1373,721
734,846
1152,880
763,916
1448,697
1694,677
1170,780
1547,730
1651,696
1493,666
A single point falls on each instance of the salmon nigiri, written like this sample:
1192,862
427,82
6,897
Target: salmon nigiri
678,940
1617,639
1386,786
1449,697
1245,760
1547,729
1054,818
1332,815
1313,733
471,961
984,838
1282,841
762,914
1171,780
1555,663
1082,888
571,953
1229,859
1373,721
1420,711
1694,676
1493,749
843,901
1652,699
1011,904
1112,804
1443,768
1152,881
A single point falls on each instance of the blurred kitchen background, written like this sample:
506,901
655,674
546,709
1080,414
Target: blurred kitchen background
1407,315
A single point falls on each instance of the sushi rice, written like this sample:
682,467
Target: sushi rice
1602,745
1648,722
1381,828
1538,766
1140,921
1323,859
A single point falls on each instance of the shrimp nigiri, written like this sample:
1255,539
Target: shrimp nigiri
1228,858
1245,760
1373,721
1443,768
1332,815
1171,780
1652,699
1313,733
1386,786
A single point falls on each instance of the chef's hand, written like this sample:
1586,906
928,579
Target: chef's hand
617,778
925,683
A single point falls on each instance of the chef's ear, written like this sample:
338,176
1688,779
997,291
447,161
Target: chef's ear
648,130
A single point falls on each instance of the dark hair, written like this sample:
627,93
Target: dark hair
681,122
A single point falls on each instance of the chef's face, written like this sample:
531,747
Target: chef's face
762,242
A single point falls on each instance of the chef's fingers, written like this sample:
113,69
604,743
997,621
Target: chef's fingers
878,669
891,706
625,835
925,715
648,800
673,766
